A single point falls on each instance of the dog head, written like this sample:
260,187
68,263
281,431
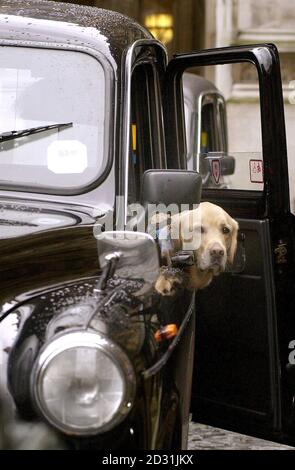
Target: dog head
216,235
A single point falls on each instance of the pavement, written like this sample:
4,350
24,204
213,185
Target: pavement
203,437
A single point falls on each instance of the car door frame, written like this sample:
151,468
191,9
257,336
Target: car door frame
275,200
181,351
272,205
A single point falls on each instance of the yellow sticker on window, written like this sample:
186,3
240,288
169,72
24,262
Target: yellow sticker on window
133,137
204,139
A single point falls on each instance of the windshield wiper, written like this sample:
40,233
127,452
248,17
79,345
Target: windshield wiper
32,130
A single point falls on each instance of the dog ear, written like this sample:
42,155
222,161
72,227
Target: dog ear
233,241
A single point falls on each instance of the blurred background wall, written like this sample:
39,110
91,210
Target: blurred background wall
186,25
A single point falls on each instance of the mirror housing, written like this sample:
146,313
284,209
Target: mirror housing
227,163
171,187
136,253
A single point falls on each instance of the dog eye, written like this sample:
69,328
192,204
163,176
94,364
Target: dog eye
225,230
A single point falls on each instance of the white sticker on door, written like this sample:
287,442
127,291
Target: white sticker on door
256,171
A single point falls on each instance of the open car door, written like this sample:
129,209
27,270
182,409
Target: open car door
244,379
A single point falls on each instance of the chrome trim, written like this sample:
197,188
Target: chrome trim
212,94
72,340
127,107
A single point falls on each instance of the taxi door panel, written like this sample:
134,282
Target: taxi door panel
236,374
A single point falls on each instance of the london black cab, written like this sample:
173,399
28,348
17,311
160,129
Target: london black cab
88,104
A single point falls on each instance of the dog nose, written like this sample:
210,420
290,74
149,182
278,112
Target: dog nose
216,251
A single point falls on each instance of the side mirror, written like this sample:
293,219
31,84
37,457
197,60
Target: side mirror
171,187
135,253
227,163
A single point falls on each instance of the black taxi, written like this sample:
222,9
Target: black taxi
92,123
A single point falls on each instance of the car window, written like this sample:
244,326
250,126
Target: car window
209,138
146,140
228,153
47,87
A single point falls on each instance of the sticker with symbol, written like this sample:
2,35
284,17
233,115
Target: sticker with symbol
256,171
216,170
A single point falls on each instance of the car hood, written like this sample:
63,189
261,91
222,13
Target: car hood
41,247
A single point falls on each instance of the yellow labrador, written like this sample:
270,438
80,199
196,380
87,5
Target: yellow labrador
215,242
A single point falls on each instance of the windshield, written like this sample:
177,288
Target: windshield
52,119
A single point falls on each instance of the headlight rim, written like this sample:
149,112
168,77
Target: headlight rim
65,341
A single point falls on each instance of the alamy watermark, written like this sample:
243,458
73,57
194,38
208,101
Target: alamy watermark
164,223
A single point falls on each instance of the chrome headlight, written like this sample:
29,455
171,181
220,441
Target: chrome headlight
83,383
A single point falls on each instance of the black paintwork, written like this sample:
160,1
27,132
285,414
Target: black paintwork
47,274
117,30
